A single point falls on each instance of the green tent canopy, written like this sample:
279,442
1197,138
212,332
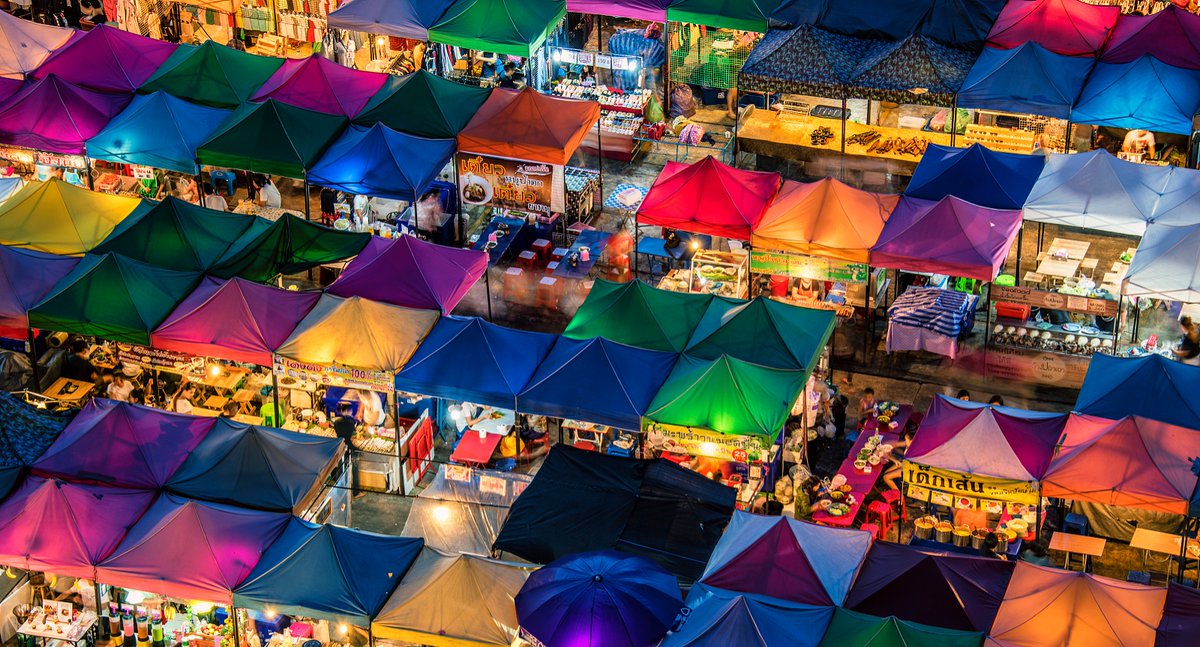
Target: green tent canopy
423,104
513,27
637,314
853,628
179,235
286,246
212,74
113,297
271,137
746,15
762,331
728,396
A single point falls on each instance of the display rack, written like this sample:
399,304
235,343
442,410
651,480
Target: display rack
722,274
621,117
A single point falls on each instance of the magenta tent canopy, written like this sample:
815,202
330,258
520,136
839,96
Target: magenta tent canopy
107,59
317,83
191,550
234,320
950,236
410,272
1171,35
66,528
26,277
655,10
53,115
117,443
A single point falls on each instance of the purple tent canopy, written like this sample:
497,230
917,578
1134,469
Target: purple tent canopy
116,443
403,18
950,236
933,588
1180,623
410,272
53,115
9,87
107,59
317,83
26,277
655,10
1171,35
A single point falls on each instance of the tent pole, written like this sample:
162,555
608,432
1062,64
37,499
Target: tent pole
636,254
487,286
96,588
237,638
868,332
843,138
33,359
599,162
307,207
277,413
200,188
953,120
396,421
1067,137
87,167
458,202
1020,237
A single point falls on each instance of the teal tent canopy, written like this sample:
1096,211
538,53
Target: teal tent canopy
157,130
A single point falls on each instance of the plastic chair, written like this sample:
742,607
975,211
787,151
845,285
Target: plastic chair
871,528
542,248
894,499
550,267
514,286
547,293
1076,524
880,513
1006,280
962,284
526,260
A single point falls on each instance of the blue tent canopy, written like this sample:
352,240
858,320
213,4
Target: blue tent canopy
892,71
719,618
957,22
618,381
1026,79
157,130
804,60
1151,386
1146,93
468,359
403,18
378,161
9,186
327,572
976,174
257,467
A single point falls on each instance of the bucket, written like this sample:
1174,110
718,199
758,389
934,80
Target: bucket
977,538
943,533
923,528
962,536
1001,543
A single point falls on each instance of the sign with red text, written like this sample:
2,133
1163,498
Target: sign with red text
510,184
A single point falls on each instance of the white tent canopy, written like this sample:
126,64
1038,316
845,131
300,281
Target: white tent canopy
24,45
1167,264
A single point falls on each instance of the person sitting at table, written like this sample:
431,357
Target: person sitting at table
989,547
120,388
182,401
535,428
473,414
866,406
268,194
230,409
77,365
212,200
511,445
137,396
895,470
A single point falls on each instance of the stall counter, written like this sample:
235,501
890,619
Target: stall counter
774,130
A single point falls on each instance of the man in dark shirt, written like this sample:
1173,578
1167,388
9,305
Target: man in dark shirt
345,426
76,365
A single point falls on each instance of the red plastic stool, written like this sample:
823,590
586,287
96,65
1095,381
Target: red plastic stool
871,528
550,267
881,511
547,292
558,253
542,248
514,286
526,260
894,499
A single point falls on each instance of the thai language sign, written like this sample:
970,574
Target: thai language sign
157,358
342,376
510,184
703,442
1054,300
971,485
807,267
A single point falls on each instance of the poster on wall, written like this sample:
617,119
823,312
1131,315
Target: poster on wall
292,372
535,187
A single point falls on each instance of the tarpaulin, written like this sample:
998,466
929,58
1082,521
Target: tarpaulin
27,433
1027,79
1166,265
53,115
424,104
1180,618
709,197
916,69
60,218
317,83
25,44
1145,94
638,314
804,60
762,331
746,15
976,174
1070,27
212,74
286,246
970,241
653,10
26,277
407,271
157,130
381,162
402,18
721,618
1150,386
528,125
1171,35
358,333
107,59
513,27
824,218
958,22
853,628
271,137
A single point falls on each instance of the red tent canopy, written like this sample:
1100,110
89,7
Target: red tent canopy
709,197
530,126
1069,27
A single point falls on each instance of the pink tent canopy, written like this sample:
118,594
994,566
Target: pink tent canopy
1171,35
655,10
1134,462
709,197
66,528
317,83
192,550
235,320
1070,27
950,236
53,115
107,59
410,272
26,276
116,443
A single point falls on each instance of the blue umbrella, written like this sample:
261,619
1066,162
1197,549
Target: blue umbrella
599,599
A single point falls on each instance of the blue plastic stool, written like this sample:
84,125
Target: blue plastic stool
1075,524
506,464
226,177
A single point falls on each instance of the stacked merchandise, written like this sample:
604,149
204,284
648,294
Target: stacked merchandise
305,20
930,319
255,18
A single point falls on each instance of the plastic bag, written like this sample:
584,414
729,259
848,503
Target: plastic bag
654,111
683,102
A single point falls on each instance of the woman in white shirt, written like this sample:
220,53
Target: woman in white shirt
183,398
120,388
268,195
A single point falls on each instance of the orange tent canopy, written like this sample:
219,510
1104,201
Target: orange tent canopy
824,218
529,126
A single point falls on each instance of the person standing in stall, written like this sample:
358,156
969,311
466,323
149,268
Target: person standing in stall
345,426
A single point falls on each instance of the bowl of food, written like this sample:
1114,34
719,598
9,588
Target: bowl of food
476,189
859,464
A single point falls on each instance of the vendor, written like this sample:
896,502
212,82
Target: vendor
1139,141
1188,350
78,365
425,214
268,195
486,62
807,290
185,189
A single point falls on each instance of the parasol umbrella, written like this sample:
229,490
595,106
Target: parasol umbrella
603,598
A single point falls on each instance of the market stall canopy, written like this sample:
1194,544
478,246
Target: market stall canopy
959,22
454,600
235,320
1133,462
26,277
620,382
256,467
25,44
1145,94
317,83
762,331
286,246
212,74
113,297
402,18
358,333
271,137
917,70
459,516
986,440
423,104
950,236
219,544
381,162
1027,79
721,618
53,115
512,27
582,500
26,434
931,587
58,217
529,126
1166,265
357,571
9,186
1150,386
1050,606
824,218
407,271
1070,27
66,528
1180,618
107,59
122,444
746,15
976,174
470,360
638,314
652,10
1171,35
709,197
157,130
803,60
786,559
853,628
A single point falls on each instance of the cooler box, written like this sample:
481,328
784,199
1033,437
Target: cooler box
1012,311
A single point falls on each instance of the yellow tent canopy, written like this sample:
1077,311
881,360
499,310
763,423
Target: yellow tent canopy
824,218
358,333
60,218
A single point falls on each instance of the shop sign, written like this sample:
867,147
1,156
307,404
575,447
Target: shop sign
142,172
511,184
807,267
1021,365
157,358
333,375
1054,300
29,156
704,442
459,473
971,486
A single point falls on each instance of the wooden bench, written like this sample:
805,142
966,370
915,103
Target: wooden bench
269,45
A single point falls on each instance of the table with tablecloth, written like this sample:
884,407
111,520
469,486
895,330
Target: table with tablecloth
475,448
930,319
861,482
502,242
594,240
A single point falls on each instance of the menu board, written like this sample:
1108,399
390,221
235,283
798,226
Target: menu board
1054,300
703,442
340,376
484,180
807,267
157,358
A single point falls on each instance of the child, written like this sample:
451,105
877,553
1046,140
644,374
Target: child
866,406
